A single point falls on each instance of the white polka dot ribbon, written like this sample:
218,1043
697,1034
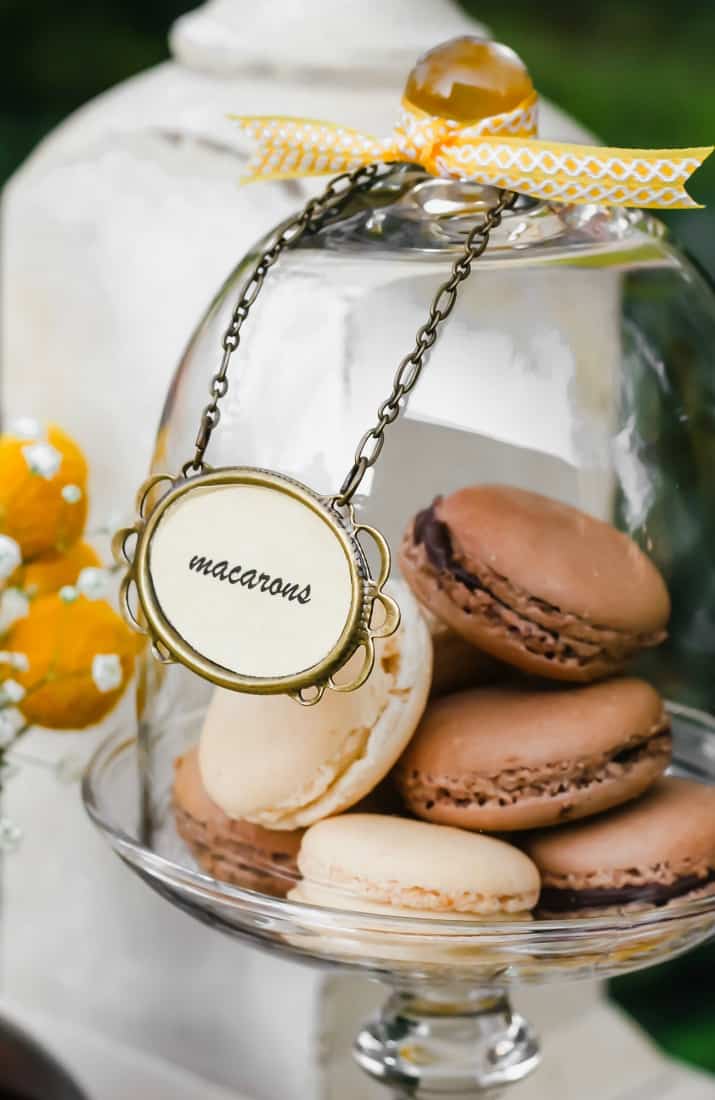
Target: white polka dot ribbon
502,151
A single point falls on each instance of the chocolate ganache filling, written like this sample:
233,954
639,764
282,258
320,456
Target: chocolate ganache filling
434,536
555,900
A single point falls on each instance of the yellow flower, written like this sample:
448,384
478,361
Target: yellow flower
80,656
43,492
50,572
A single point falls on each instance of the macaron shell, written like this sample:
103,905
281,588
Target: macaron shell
558,554
190,797
458,665
233,851
382,945
666,834
312,893
490,730
570,804
505,758
268,760
501,633
410,864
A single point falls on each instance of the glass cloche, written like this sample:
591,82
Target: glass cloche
575,369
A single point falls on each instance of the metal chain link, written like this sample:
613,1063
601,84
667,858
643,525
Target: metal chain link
314,213
336,194
408,372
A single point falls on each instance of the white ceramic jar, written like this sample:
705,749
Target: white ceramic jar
115,234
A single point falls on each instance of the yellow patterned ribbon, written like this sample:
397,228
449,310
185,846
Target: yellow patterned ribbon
502,150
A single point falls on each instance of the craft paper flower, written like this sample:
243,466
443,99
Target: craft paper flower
34,507
49,572
80,656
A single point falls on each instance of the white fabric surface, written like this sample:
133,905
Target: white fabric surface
591,1052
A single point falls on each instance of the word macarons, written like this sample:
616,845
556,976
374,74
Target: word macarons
249,578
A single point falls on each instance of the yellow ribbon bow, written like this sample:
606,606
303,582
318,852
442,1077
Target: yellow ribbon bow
501,151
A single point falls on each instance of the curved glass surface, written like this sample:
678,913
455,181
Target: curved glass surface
577,364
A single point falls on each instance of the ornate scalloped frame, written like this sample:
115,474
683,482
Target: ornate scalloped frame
308,685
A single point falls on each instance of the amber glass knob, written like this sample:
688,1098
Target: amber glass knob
467,79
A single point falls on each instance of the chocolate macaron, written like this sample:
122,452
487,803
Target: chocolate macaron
534,582
649,853
507,758
457,665
233,851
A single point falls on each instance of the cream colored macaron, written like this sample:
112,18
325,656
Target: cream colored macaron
266,759
414,866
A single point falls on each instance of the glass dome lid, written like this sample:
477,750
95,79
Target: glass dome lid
546,492
575,364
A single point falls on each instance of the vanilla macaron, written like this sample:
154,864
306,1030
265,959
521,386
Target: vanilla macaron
268,760
395,864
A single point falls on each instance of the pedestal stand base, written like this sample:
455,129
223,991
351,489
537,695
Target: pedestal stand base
445,1044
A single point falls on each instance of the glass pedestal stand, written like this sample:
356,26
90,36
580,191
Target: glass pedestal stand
446,1042
447,1027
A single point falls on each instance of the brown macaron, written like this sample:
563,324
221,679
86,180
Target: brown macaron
536,583
456,664
507,758
233,851
651,852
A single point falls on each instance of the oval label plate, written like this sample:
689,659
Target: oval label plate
251,580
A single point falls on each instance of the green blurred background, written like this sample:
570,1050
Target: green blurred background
634,72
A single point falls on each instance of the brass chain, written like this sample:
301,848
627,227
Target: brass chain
410,369
338,192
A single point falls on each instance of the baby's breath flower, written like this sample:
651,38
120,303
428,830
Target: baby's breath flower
10,835
107,672
71,493
8,770
93,583
69,768
10,556
42,459
18,661
68,593
25,427
12,691
11,722
14,605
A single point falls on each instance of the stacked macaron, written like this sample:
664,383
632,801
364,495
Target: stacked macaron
563,601
269,797
502,705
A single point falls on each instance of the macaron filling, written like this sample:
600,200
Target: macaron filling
545,630
523,783
554,899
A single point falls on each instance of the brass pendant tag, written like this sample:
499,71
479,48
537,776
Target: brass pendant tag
254,582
